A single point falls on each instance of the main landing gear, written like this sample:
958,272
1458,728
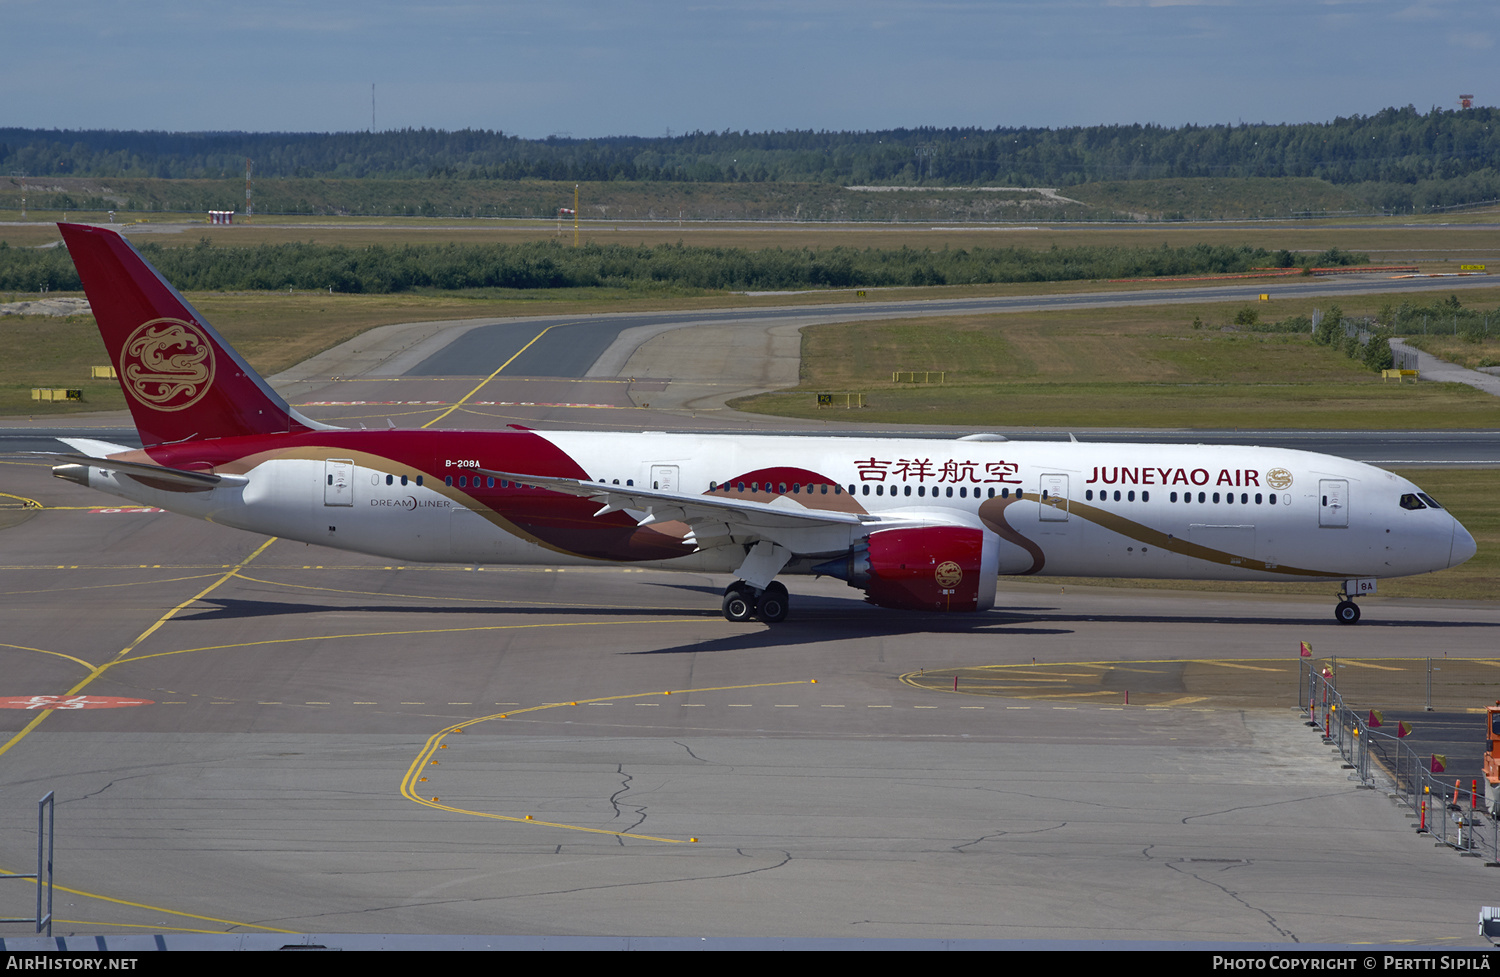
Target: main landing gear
742,602
1347,612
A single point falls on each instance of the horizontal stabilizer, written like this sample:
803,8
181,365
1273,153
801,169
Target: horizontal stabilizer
181,477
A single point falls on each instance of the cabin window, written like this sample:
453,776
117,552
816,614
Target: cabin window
448,480
1229,498
1271,498
419,480
781,488
1130,496
403,480
389,479
1202,497
1145,497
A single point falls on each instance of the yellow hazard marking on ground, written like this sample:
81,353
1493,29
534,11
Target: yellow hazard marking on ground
23,501
44,651
487,600
1066,695
435,742
106,586
1147,683
397,634
495,374
155,909
124,653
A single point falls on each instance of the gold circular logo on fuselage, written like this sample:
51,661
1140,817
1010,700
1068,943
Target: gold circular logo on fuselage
1279,478
167,364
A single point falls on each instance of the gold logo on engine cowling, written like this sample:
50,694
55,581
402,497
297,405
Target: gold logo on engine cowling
167,364
948,574
1279,478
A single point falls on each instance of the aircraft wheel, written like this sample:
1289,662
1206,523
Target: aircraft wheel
738,605
1347,612
774,603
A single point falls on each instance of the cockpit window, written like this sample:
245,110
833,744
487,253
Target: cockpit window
1410,501
1428,499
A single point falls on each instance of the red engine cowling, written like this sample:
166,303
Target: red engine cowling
935,568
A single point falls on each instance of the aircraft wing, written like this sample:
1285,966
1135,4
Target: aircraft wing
732,517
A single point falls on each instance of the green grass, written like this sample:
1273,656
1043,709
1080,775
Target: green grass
1188,406
444,199
1464,352
1142,367
1210,198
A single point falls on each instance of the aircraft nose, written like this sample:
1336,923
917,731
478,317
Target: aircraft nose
1463,545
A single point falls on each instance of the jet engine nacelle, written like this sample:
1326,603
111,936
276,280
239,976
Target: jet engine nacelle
935,568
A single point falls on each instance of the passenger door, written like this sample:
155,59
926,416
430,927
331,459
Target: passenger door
1333,503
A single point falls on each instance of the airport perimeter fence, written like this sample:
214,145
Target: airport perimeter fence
1454,815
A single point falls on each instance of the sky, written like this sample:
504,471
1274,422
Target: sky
645,67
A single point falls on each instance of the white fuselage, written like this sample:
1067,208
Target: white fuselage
1084,509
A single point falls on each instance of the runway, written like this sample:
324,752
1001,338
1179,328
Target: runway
330,743
580,346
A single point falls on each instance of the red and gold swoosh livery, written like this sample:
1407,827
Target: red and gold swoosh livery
920,525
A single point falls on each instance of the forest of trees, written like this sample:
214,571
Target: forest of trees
552,264
1401,158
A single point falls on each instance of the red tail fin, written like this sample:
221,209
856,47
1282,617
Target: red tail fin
181,380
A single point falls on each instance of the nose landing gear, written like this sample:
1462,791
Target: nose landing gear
1347,612
742,602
